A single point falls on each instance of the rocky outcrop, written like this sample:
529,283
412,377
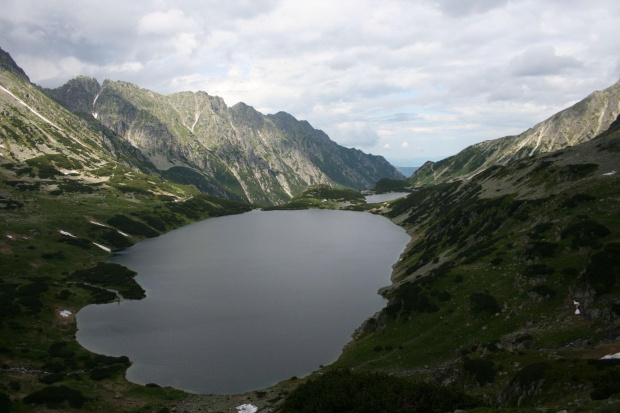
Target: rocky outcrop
526,385
83,92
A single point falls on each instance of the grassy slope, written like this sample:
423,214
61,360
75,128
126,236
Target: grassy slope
34,252
56,179
517,234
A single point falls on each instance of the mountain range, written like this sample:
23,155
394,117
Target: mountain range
572,126
232,152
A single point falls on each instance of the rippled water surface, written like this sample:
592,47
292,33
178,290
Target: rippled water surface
241,302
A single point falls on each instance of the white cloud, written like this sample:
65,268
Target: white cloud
462,8
541,60
370,75
356,134
165,23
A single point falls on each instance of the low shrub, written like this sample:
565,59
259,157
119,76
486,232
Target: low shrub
112,276
603,269
59,349
32,302
530,374
99,295
576,171
101,373
606,384
344,391
131,226
577,199
78,242
483,371
5,403
113,238
543,291
408,299
539,230
539,249
444,296
34,288
537,270
58,255
54,396
99,360
52,378
483,303
384,185
585,233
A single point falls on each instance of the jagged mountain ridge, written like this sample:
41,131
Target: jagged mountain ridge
235,152
572,126
34,127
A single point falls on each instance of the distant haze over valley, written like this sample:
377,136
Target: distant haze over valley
411,162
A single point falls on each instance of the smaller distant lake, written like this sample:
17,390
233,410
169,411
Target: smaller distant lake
373,199
241,302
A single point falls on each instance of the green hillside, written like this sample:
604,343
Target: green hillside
484,296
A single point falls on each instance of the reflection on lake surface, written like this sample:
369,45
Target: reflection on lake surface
241,302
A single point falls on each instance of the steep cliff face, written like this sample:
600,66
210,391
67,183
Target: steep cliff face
235,152
83,92
579,123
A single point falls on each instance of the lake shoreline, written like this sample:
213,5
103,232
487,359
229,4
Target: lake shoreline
352,329
195,403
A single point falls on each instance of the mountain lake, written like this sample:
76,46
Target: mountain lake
238,303
389,196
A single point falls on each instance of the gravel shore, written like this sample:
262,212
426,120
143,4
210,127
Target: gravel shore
267,400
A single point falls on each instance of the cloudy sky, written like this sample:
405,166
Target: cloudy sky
403,79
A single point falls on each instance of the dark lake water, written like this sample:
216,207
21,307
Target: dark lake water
239,303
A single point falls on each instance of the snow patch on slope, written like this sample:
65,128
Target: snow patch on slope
195,122
30,109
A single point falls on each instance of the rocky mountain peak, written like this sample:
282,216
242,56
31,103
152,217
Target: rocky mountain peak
248,113
572,126
233,152
78,94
